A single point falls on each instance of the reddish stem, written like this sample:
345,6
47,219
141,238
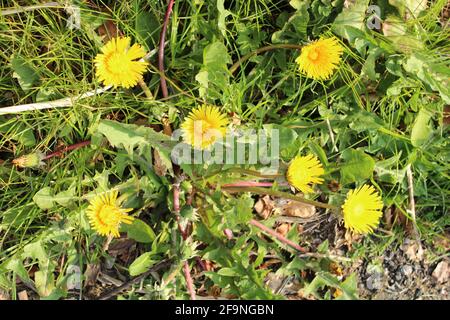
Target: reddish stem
184,234
162,40
66,149
277,235
189,283
252,184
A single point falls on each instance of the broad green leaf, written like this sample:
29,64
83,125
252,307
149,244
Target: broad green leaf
435,75
349,288
228,272
45,282
15,265
322,279
357,166
129,136
65,198
295,29
139,231
214,75
368,68
421,130
287,139
244,209
25,73
249,37
223,14
141,264
409,8
388,171
147,29
363,120
36,251
44,198
350,22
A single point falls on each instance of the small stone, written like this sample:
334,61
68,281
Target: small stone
374,282
407,270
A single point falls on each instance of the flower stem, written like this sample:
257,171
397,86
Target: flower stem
145,88
9,11
238,63
280,194
66,149
275,234
162,39
189,282
250,184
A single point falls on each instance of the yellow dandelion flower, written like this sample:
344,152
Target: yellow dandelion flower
118,63
105,214
362,209
204,126
319,59
303,172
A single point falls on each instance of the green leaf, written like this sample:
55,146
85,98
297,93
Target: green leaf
65,198
214,75
36,251
322,279
44,198
368,68
141,264
435,75
287,139
129,136
364,121
350,22
45,282
18,131
295,28
228,272
357,166
4,282
223,14
240,212
25,73
409,8
15,265
421,130
139,231
388,171
147,29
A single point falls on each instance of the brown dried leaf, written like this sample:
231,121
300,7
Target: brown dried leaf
298,209
283,228
264,207
441,272
158,166
412,250
109,30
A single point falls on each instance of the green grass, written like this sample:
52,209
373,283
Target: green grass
373,107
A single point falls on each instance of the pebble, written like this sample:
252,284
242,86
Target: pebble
407,270
374,282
